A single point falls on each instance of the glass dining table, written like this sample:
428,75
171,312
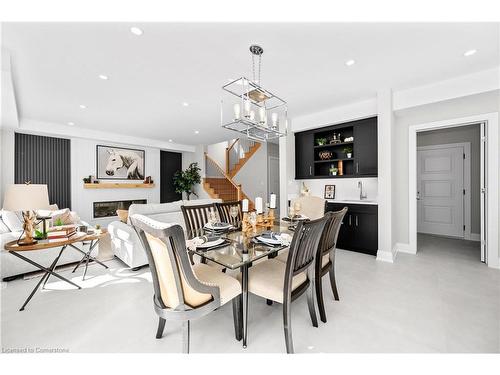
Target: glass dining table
239,251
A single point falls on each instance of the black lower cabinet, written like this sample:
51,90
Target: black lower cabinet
359,229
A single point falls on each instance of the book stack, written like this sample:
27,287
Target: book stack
61,232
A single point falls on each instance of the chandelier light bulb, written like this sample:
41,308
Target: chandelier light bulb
262,115
247,107
237,111
274,119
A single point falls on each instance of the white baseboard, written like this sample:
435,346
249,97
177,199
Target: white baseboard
386,256
404,248
475,237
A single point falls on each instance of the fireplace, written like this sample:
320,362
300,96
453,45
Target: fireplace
108,209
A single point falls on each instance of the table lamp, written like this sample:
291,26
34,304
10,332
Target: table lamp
26,198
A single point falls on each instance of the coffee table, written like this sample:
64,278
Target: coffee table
17,250
94,240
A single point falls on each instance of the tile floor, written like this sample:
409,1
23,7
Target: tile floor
440,300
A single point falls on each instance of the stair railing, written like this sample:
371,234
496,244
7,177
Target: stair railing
237,151
214,174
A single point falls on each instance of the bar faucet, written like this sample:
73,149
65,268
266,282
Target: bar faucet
361,194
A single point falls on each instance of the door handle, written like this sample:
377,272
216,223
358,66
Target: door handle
310,171
357,167
356,220
418,195
350,222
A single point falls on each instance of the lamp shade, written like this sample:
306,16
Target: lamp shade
25,197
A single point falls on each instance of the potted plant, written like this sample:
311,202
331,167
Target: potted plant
321,141
333,171
184,181
348,151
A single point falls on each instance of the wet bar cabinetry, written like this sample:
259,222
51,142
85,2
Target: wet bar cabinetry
350,148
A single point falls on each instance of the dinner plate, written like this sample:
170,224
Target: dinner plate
218,226
210,242
270,238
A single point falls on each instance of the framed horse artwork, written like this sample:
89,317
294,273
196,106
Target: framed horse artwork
118,163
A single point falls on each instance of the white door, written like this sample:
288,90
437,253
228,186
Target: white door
440,190
274,179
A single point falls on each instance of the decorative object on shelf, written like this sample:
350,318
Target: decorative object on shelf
87,180
26,198
348,151
321,141
305,190
325,155
335,138
254,99
148,180
118,163
329,191
340,166
184,181
349,139
333,170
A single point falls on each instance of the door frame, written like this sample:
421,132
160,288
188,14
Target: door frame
466,181
492,166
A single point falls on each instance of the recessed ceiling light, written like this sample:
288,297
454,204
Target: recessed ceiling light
71,123
170,140
185,104
196,132
470,52
82,106
136,31
103,76
350,62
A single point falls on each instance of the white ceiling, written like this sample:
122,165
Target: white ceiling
56,67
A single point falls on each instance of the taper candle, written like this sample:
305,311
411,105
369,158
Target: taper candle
258,205
272,201
244,204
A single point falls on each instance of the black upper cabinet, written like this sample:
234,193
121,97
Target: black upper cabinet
321,152
304,155
365,147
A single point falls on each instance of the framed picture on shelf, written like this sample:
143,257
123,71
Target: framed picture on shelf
118,163
329,191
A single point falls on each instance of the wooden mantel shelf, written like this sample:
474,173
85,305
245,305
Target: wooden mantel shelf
118,185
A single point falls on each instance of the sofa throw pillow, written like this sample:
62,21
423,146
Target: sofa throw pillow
62,217
122,215
12,220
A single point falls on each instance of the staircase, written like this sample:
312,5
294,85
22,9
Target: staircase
219,185
238,153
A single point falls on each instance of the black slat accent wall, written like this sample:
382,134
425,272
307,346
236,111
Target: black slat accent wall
45,160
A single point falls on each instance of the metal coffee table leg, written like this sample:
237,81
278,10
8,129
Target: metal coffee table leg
87,257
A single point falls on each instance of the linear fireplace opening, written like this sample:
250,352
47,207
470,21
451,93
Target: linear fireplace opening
108,208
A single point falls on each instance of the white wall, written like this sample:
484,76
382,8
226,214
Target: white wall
83,163
455,108
470,95
253,175
345,188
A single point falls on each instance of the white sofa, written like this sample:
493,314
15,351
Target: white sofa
125,243
12,266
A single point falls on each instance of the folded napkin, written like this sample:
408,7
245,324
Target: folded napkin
192,244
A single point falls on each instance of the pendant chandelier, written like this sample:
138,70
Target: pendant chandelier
254,111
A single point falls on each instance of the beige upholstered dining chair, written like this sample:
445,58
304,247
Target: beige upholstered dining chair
285,282
182,291
325,258
311,206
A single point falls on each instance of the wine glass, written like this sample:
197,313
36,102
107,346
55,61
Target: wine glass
297,206
233,212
